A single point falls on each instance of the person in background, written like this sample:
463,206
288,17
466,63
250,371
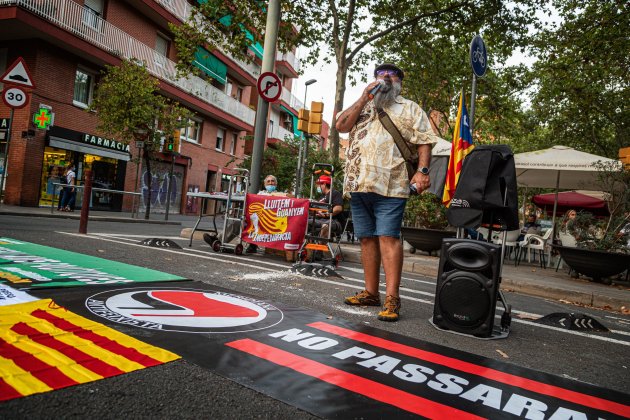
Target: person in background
62,178
324,188
473,234
625,230
532,227
377,180
567,221
322,217
271,187
69,194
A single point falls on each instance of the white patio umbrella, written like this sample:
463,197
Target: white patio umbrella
442,148
559,167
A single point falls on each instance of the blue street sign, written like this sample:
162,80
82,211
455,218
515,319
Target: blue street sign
478,56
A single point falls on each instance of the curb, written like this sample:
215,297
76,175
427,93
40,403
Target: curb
429,269
93,218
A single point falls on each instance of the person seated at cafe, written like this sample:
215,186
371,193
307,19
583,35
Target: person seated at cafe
532,227
625,230
567,221
473,234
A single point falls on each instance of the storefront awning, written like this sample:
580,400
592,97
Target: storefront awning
210,65
85,148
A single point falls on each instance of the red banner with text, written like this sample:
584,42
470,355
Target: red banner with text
275,222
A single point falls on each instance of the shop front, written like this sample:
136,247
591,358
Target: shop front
106,158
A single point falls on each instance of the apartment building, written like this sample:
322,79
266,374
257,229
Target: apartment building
66,45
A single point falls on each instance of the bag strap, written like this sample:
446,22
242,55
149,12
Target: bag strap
400,142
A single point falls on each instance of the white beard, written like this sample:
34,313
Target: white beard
387,94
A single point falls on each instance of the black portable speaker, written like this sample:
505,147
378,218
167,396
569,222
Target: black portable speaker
467,286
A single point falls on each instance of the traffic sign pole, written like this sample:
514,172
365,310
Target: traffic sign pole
473,95
16,78
262,112
5,157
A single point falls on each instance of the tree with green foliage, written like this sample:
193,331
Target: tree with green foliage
436,61
582,77
230,26
342,30
129,107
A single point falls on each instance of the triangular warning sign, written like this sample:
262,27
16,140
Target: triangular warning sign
18,74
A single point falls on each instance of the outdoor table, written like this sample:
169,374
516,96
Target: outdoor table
218,197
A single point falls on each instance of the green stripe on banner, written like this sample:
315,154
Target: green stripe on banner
28,266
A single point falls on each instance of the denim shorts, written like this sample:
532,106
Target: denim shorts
376,215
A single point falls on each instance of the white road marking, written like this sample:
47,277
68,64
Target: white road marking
121,236
337,283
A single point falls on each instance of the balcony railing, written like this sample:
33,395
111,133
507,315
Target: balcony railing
290,58
290,99
71,16
280,133
181,9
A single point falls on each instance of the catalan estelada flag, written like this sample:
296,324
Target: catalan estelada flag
461,146
45,347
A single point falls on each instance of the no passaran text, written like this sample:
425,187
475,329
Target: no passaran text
457,386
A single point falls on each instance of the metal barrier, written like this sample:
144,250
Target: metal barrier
58,186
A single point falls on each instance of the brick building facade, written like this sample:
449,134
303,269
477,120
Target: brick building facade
66,45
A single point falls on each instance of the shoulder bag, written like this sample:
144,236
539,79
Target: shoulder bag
410,156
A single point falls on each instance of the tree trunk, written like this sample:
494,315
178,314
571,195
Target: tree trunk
342,72
147,164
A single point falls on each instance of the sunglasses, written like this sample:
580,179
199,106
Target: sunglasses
387,72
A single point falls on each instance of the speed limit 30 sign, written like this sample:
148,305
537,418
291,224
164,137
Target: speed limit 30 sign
15,97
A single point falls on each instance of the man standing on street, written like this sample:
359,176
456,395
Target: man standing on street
377,179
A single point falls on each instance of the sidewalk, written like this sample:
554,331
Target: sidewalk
97,215
528,279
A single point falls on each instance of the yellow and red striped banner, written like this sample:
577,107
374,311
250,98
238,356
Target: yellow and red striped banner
45,347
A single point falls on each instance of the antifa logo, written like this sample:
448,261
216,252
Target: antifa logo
182,310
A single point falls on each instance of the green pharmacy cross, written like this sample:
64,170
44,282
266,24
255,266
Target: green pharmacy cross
42,118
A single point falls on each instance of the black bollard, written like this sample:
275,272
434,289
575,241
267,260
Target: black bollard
85,202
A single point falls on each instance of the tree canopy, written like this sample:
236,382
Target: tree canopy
582,77
575,93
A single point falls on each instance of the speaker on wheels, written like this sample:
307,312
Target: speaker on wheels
467,287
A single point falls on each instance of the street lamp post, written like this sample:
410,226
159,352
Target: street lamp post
303,149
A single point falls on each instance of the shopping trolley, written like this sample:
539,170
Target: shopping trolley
229,238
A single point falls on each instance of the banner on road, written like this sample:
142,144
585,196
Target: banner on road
44,347
275,222
331,367
11,296
24,265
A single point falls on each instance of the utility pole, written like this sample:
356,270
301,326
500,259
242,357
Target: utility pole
262,112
